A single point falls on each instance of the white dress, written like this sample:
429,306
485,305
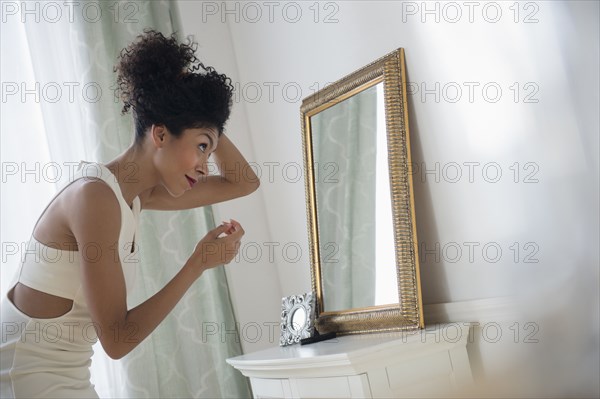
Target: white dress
51,357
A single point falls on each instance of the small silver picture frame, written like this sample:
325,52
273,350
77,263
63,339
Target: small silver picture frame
297,318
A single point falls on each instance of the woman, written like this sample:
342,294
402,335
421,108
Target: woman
72,285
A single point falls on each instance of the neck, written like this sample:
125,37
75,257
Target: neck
134,171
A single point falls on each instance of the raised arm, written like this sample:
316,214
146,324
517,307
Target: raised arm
236,179
95,222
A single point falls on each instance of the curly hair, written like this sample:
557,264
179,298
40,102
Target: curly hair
158,79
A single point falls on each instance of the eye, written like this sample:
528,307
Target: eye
203,147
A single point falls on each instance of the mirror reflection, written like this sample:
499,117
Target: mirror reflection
356,237
298,319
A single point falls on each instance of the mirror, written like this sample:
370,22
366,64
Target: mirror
364,259
356,241
298,319
297,315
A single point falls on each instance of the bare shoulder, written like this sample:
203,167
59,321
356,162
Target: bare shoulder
94,209
91,194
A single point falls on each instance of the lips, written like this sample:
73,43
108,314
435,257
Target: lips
190,181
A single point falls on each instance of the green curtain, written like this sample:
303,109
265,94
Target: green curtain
185,356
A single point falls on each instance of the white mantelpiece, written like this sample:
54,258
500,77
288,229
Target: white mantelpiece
429,362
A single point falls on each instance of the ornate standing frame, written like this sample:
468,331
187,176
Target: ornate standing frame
407,315
291,333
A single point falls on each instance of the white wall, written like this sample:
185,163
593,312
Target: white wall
540,133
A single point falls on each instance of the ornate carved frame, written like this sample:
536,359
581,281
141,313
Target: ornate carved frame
407,315
291,333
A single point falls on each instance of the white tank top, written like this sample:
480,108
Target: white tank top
50,357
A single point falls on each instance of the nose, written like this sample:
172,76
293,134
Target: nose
202,167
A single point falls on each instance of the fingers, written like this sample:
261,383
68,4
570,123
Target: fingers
220,245
219,230
234,227
231,229
233,235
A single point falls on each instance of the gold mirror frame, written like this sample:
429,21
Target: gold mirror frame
407,315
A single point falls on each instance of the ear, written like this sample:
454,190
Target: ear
158,135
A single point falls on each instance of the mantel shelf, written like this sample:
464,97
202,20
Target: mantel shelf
440,348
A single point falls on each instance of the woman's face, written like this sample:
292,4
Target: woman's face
183,160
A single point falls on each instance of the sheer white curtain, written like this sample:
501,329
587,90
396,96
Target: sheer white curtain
58,108
30,174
